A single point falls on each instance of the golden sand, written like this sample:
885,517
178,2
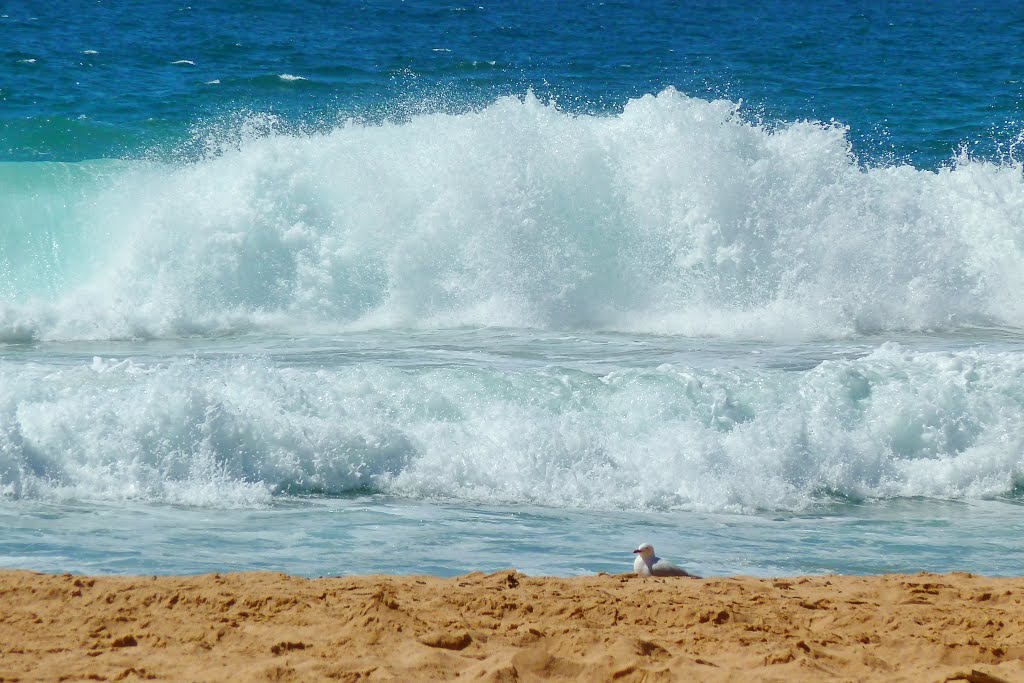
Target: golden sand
510,627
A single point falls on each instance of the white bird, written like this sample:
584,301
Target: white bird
649,564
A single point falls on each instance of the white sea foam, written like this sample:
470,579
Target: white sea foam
677,216
896,423
290,77
188,62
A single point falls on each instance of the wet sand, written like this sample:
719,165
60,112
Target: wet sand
508,627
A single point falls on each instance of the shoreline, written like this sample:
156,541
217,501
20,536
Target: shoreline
508,626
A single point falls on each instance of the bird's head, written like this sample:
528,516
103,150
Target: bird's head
645,550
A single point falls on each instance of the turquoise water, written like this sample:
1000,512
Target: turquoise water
334,536
435,288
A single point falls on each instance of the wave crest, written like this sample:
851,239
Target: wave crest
676,216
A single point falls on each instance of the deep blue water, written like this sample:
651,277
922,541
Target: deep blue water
914,82
301,286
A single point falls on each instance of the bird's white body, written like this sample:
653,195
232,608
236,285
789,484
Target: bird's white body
649,564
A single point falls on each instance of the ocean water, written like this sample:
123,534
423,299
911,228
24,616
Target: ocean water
425,287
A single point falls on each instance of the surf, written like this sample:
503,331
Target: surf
676,216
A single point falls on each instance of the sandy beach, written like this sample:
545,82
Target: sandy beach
507,626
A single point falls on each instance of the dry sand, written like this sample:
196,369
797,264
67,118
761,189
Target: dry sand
507,627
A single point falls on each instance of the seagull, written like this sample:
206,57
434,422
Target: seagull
649,564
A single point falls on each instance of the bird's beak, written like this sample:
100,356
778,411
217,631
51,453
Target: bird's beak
637,550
